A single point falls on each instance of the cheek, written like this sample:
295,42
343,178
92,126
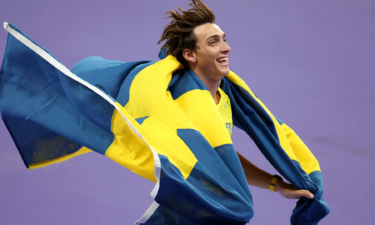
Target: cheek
211,57
209,63
207,59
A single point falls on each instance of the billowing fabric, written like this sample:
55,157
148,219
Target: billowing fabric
157,120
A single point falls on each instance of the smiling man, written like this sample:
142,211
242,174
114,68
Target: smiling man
202,47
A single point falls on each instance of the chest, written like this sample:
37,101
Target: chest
225,110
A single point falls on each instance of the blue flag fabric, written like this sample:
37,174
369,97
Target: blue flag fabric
159,123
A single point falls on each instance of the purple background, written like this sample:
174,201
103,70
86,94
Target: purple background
311,62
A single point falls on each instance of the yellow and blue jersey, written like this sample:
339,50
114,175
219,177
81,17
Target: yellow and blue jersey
157,120
225,111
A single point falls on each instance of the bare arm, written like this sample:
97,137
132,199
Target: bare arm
260,178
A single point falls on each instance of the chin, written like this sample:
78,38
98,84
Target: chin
225,72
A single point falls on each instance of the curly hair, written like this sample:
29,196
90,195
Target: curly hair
178,34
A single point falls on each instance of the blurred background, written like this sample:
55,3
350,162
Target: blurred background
311,62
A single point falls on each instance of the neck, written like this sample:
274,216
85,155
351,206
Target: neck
213,87
211,84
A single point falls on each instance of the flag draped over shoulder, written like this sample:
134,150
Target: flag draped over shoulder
160,124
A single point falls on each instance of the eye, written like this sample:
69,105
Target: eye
212,42
225,40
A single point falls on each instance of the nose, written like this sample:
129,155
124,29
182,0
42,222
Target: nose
225,48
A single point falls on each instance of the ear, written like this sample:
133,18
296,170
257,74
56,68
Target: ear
189,55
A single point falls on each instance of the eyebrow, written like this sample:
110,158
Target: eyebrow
216,36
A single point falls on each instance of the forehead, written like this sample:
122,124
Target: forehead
202,32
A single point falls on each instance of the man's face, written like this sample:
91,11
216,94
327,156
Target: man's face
212,51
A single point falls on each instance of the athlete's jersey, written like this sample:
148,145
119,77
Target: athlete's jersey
225,111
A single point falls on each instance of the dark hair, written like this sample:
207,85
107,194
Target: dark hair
179,35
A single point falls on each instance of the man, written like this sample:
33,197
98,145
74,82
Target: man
202,47
167,121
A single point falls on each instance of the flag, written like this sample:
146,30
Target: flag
158,122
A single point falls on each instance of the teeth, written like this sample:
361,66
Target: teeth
222,59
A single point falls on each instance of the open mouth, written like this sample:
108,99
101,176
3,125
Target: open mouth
223,61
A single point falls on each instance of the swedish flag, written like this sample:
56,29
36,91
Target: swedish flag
157,120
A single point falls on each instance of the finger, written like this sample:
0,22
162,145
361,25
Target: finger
300,193
293,195
307,194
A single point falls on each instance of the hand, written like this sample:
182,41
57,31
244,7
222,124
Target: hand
289,191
